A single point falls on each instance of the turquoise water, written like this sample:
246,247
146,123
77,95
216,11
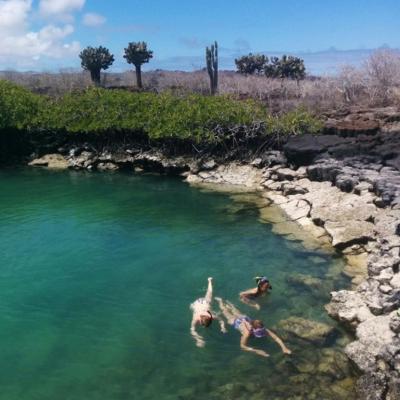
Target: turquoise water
96,276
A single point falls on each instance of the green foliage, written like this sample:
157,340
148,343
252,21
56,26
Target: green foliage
295,122
212,66
94,59
137,54
251,64
286,67
18,106
194,118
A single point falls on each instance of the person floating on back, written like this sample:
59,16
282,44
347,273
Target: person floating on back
202,315
248,296
248,328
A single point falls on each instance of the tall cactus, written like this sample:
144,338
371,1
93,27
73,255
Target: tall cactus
212,66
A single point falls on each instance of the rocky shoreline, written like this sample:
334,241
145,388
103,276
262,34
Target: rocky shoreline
343,189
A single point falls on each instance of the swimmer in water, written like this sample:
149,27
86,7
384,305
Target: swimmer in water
248,328
202,315
249,296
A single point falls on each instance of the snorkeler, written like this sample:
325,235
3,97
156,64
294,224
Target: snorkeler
248,328
248,296
203,315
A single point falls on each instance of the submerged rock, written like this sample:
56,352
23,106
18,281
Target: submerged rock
306,329
309,282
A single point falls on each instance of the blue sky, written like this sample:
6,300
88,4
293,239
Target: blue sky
47,34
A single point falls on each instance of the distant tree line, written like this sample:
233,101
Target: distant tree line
96,59
288,67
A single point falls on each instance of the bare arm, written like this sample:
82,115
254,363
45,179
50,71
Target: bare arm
245,298
221,323
243,345
278,340
208,295
198,339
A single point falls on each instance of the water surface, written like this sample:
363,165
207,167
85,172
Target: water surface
96,276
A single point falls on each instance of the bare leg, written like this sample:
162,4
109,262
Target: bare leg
208,296
233,309
226,311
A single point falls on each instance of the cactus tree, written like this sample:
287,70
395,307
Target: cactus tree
94,59
212,66
137,54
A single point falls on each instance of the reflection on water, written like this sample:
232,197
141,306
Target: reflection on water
96,277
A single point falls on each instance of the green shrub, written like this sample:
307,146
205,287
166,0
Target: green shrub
18,106
295,122
197,118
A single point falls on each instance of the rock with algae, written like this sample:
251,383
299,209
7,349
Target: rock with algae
306,329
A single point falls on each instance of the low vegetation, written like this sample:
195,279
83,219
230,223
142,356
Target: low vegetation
192,118
375,83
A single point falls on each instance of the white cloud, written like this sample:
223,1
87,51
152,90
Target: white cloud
13,15
93,20
21,46
60,7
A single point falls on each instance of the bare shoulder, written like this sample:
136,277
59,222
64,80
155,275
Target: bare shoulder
248,292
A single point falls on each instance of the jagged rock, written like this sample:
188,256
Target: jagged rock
363,187
372,386
345,234
290,189
346,183
208,165
53,161
395,281
351,127
107,166
296,209
286,174
305,329
378,263
85,160
373,335
348,307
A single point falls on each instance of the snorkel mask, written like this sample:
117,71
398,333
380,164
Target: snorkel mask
261,280
259,332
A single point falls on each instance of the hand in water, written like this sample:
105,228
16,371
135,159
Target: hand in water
200,343
262,353
287,351
210,279
257,307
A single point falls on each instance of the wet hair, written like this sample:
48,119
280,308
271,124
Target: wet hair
262,280
257,324
206,320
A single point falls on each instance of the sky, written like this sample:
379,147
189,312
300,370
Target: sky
47,35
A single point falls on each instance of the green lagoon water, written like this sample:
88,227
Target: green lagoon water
97,272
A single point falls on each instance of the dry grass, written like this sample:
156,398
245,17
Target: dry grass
376,83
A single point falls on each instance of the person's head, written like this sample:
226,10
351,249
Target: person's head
258,328
206,320
263,284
